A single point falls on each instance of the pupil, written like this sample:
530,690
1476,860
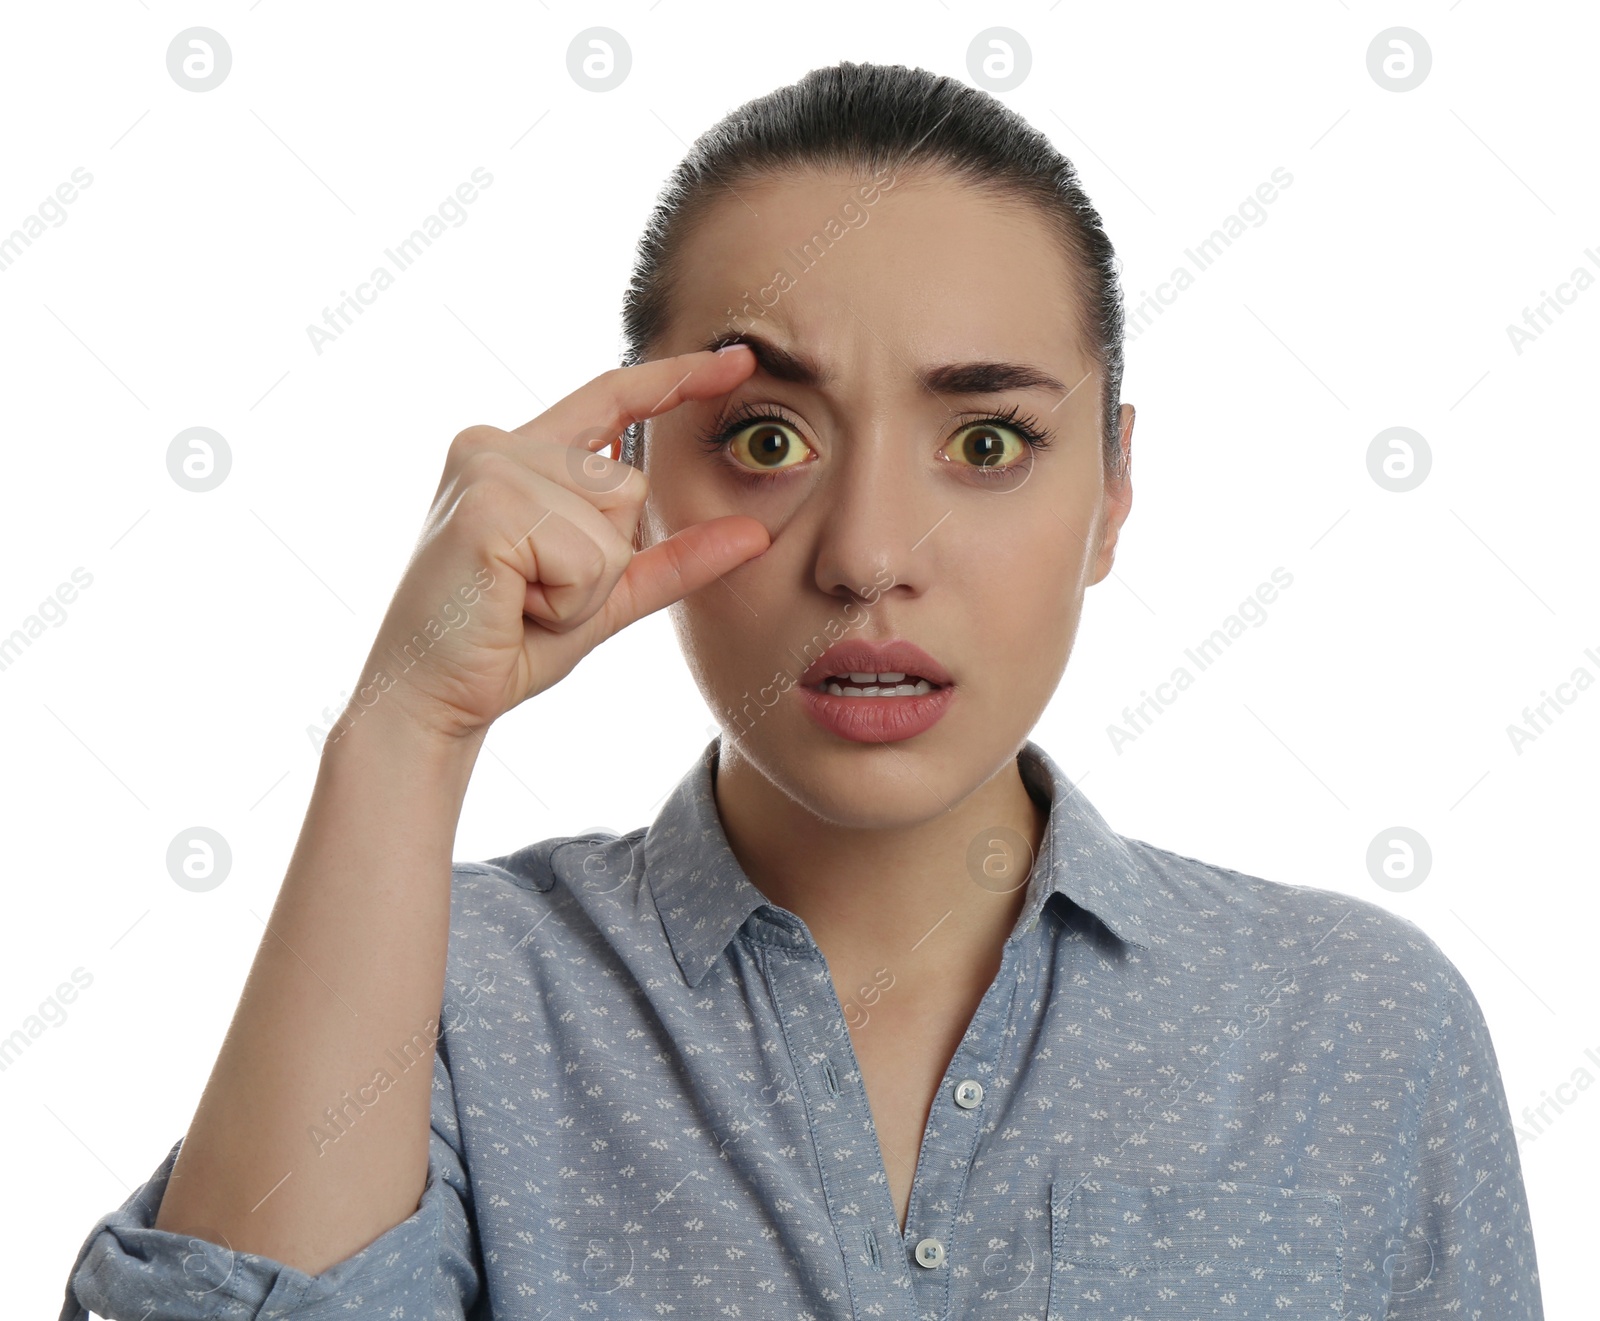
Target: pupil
769,446
981,441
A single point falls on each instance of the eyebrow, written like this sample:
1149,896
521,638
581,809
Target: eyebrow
951,378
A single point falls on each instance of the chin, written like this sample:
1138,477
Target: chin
870,786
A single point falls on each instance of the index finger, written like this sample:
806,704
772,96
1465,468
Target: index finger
616,399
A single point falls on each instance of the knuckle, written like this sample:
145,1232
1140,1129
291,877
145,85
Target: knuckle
487,467
470,440
484,500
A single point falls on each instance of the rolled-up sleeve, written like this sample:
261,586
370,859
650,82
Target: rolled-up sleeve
1469,1250
426,1268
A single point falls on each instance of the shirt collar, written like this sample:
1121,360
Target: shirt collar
704,897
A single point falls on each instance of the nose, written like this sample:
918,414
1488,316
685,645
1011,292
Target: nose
878,529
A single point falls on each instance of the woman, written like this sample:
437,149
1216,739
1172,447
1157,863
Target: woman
878,1017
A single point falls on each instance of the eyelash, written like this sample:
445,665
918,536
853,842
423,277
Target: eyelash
722,431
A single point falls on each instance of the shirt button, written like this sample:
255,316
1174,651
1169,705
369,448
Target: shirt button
969,1091
930,1252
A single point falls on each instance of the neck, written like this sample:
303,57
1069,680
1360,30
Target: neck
904,898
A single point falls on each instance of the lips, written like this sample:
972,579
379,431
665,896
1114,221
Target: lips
861,657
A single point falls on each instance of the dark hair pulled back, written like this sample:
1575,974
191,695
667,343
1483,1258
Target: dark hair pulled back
871,118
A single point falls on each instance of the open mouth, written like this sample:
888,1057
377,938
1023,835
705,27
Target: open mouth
889,683
875,692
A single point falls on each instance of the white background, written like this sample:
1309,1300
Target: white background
218,626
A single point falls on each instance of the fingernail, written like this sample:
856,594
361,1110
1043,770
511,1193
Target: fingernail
726,347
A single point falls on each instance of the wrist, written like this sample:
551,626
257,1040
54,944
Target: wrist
390,733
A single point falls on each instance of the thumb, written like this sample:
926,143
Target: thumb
685,562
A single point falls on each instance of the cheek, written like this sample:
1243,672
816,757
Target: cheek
1024,582
1034,550
697,632
716,632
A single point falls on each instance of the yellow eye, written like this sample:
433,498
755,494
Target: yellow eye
984,445
768,446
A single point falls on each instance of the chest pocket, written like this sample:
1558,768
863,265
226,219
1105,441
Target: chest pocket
1187,1250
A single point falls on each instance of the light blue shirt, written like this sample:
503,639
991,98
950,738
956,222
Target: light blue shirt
1187,1093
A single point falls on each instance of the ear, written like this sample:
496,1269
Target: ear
1119,497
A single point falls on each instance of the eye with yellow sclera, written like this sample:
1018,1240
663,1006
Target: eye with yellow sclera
765,444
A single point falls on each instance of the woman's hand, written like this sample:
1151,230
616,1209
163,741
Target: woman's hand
526,561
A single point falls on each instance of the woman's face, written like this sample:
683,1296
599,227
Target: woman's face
893,513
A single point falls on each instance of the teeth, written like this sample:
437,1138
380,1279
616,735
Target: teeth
878,690
884,676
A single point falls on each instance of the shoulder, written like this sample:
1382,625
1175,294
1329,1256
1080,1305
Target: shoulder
519,920
488,897
1356,952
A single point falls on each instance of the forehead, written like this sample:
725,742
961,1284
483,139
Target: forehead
915,267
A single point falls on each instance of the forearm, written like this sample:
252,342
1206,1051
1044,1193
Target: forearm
311,1137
